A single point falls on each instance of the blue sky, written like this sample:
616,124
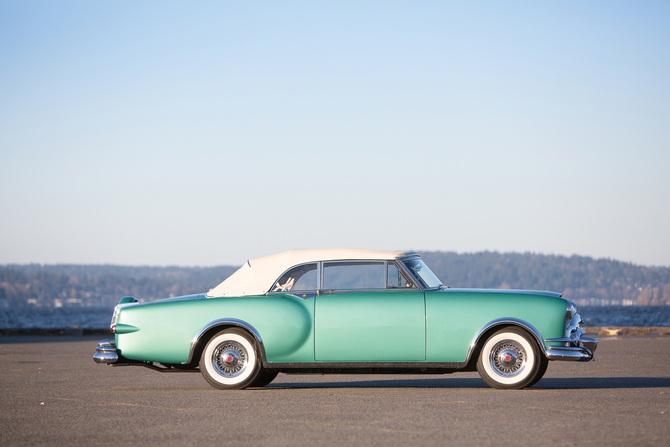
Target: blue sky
203,134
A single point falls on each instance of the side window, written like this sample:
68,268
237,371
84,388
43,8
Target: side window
396,279
353,275
301,278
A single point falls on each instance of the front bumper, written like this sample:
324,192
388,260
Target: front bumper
582,353
575,347
106,352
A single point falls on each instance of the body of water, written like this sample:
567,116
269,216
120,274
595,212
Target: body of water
99,318
55,318
622,316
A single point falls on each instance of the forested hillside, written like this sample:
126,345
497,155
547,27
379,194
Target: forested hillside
102,285
576,277
581,278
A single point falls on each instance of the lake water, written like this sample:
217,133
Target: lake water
99,318
621,316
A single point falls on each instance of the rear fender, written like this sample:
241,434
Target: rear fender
205,334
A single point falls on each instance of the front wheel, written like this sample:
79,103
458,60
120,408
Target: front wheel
509,359
230,360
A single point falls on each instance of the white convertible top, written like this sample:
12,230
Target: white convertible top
256,276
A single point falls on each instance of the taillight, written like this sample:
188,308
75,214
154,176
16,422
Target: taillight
113,329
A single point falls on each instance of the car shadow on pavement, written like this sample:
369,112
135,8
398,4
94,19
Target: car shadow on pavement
603,382
569,383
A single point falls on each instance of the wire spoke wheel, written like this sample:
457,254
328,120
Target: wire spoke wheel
230,360
510,359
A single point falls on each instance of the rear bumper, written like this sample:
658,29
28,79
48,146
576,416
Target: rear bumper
106,352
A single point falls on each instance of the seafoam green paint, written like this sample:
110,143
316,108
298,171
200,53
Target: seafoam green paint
167,328
125,329
371,326
454,316
393,325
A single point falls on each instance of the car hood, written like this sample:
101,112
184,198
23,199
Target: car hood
505,292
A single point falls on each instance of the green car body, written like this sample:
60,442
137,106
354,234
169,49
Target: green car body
400,329
393,326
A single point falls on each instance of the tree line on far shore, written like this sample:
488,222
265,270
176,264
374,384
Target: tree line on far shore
576,277
102,285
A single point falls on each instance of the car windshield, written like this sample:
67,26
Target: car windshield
422,273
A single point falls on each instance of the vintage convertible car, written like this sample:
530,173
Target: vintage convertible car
346,311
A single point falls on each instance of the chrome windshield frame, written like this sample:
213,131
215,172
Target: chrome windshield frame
417,280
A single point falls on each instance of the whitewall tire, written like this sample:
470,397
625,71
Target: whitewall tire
509,359
230,360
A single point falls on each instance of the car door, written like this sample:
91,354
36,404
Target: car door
367,311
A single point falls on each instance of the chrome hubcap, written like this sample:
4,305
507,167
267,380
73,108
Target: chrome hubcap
507,358
230,359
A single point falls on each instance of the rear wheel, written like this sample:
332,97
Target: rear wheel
230,360
510,359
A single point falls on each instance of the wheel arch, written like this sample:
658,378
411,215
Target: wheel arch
488,329
209,330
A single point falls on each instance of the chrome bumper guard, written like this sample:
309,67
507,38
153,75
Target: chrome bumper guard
106,352
576,347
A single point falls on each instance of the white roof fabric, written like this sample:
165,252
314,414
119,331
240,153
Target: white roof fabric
256,276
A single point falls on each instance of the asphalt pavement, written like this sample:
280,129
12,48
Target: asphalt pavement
52,393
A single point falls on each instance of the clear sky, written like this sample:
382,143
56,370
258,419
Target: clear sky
207,133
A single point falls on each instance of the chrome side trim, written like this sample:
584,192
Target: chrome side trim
354,365
559,340
225,322
338,291
506,321
301,295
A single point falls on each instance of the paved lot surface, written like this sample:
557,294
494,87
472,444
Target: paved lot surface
51,392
